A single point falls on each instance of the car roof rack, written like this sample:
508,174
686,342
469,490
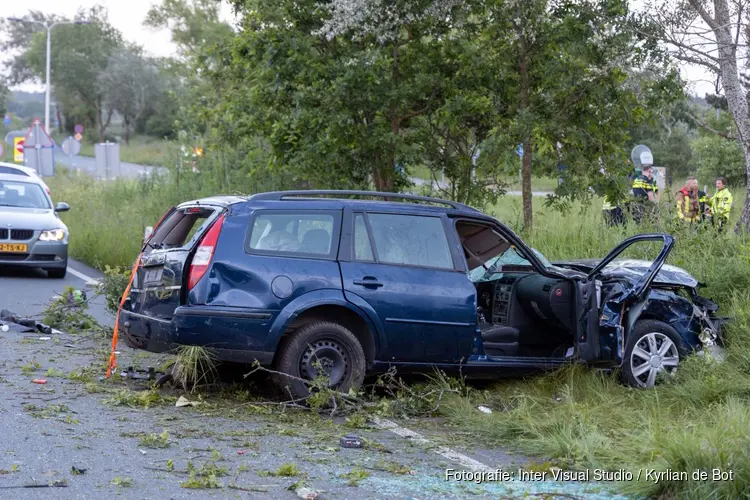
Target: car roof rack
333,193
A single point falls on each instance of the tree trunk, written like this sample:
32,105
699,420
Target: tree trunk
127,131
523,102
60,125
736,98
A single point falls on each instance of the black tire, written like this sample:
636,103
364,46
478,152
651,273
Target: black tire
331,344
57,273
651,336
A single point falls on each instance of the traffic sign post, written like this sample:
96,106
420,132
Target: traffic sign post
71,147
2,149
38,150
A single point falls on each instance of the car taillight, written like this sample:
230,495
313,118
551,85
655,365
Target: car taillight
204,253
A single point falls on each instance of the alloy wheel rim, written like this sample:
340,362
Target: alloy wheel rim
653,354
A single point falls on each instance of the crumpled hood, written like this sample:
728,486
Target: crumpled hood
37,219
633,269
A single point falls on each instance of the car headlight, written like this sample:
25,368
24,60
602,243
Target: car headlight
52,235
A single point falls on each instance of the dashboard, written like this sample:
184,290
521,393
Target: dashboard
522,298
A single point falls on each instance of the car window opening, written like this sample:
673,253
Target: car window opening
180,228
520,312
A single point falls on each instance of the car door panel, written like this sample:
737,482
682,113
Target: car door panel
617,297
428,314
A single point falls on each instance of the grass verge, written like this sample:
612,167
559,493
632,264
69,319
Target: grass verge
577,418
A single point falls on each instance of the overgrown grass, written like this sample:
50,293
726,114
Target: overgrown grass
584,420
577,418
195,365
142,150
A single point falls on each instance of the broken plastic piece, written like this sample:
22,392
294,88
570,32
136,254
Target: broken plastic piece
150,374
39,381
307,493
350,441
183,401
484,409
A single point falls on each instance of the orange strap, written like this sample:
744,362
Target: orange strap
112,356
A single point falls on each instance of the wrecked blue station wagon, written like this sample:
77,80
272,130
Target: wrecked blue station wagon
344,284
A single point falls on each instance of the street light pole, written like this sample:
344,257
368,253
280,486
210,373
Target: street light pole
47,84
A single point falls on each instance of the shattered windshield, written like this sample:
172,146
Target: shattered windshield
492,269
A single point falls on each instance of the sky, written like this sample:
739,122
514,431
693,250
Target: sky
125,15
128,15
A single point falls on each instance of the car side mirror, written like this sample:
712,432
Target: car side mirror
62,207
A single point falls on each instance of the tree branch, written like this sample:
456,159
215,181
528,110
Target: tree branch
697,60
712,23
709,128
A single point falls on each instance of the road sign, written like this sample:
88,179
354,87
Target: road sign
519,150
78,136
6,121
641,156
18,149
38,150
71,146
78,129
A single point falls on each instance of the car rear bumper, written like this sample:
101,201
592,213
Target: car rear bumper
158,335
49,255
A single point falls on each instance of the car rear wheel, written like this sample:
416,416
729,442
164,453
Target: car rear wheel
654,348
57,273
320,351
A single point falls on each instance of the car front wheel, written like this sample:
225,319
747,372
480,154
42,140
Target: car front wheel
654,348
324,352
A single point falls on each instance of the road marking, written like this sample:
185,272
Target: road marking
88,279
443,451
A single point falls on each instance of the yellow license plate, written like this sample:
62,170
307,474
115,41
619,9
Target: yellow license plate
13,247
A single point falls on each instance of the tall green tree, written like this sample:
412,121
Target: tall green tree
80,55
130,83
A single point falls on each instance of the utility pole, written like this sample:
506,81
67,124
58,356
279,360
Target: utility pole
48,27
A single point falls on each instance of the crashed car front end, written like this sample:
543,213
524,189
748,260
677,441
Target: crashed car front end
673,298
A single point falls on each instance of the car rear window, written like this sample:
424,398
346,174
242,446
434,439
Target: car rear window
181,227
303,233
11,170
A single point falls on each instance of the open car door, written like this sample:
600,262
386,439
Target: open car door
602,335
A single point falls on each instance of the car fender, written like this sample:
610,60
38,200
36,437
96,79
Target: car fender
307,301
670,308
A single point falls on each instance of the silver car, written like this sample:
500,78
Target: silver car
31,232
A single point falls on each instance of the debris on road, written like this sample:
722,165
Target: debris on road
76,471
307,493
39,381
350,441
484,409
132,373
11,321
183,401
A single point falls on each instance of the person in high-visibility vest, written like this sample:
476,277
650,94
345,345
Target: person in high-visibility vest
720,204
688,200
645,192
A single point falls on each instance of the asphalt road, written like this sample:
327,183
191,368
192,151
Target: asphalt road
236,430
88,164
133,170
